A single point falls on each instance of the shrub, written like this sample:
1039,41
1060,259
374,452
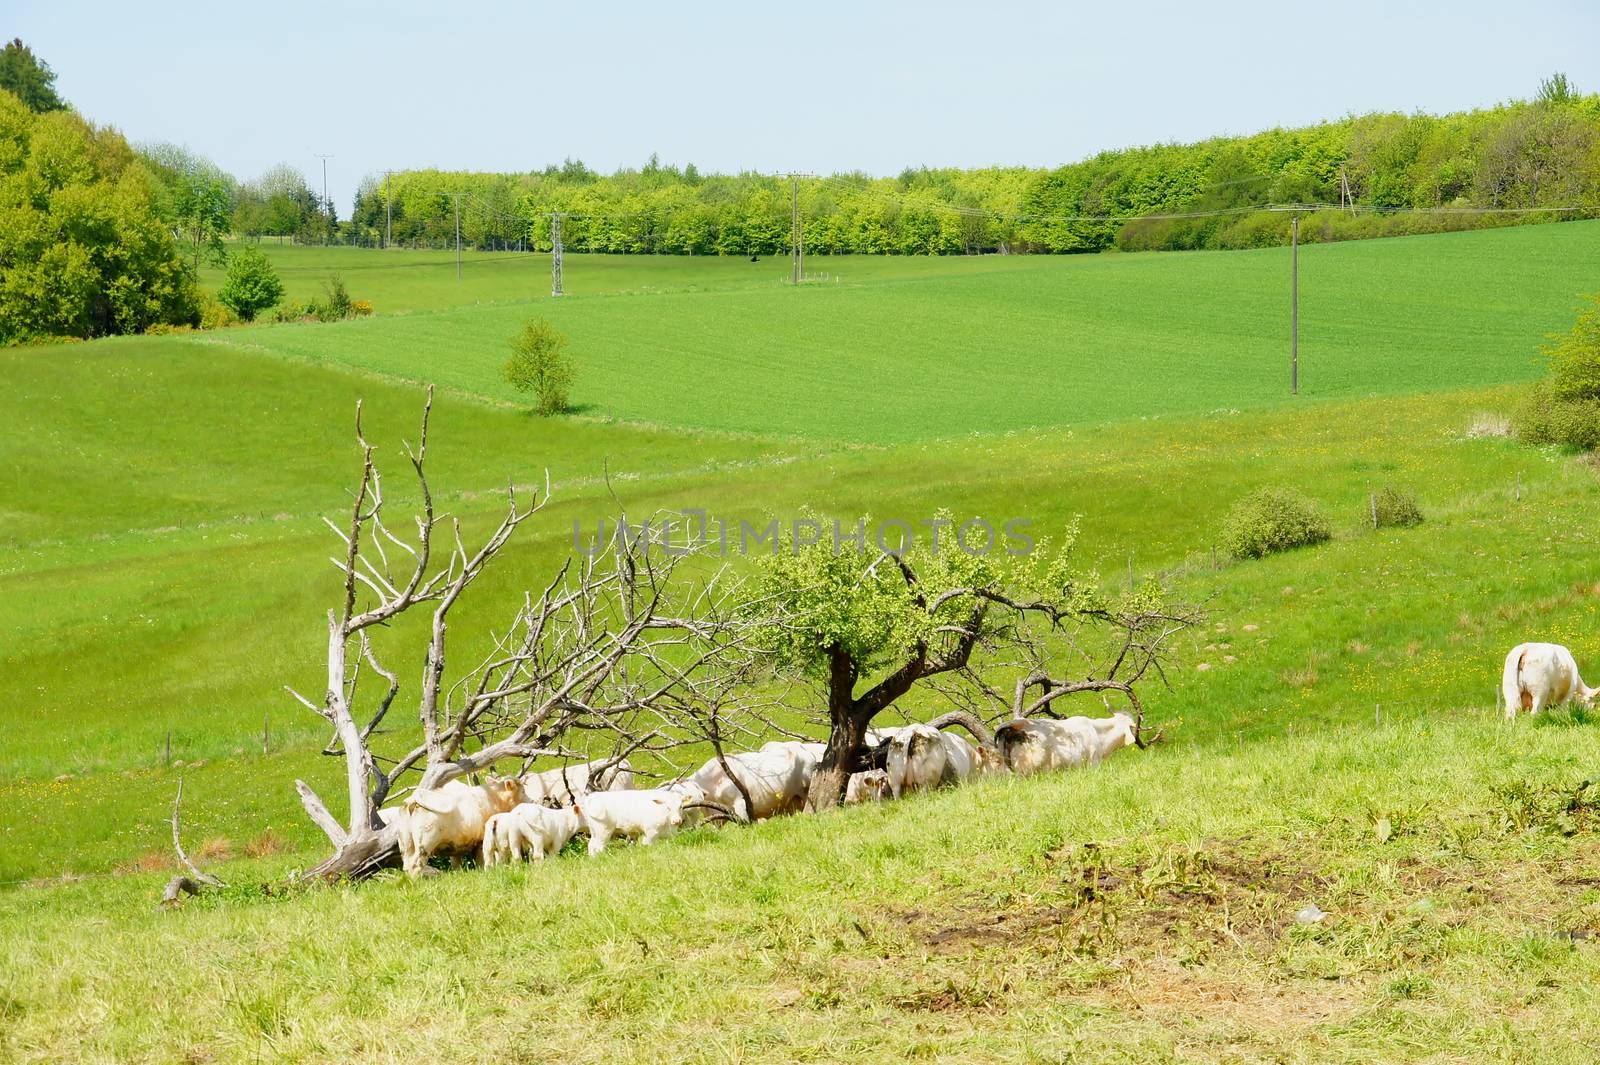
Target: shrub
540,366
360,308
1546,419
1564,408
294,311
1270,520
337,306
252,284
214,314
1393,508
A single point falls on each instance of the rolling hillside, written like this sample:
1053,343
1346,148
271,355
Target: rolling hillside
166,571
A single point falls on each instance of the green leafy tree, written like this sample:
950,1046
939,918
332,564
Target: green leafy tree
541,367
251,286
29,78
199,198
1556,90
83,249
868,627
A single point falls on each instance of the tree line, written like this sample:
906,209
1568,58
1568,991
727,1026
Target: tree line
1389,170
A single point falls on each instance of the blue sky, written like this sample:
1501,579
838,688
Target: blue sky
819,86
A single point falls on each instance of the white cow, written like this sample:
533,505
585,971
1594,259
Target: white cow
452,818
922,758
869,786
531,827
643,815
1030,745
777,780
987,761
563,783
1538,675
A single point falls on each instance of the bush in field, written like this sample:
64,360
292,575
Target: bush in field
337,306
540,366
214,314
1394,508
1271,520
251,285
1564,408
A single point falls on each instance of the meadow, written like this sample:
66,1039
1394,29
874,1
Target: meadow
165,573
898,350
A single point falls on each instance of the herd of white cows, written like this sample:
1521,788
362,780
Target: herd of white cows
535,815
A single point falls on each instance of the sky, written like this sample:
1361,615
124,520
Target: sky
815,87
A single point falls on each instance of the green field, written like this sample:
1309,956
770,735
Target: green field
165,572
902,350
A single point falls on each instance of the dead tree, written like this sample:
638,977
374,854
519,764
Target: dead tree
612,644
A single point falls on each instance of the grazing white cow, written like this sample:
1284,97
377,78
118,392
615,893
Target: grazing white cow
643,815
1030,745
922,758
1538,675
561,784
531,827
869,786
777,780
452,818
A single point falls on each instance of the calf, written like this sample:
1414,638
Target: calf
1538,675
451,818
533,827
987,760
561,785
1030,746
871,786
777,780
643,815
922,758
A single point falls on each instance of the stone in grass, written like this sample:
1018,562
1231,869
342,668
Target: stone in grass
1310,913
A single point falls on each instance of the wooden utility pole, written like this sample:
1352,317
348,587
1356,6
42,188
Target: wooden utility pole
327,232
1294,305
388,217
1345,198
458,235
797,245
555,253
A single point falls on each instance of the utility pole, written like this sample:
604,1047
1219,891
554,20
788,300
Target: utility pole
327,233
388,218
555,253
457,196
797,248
1345,198
1294,305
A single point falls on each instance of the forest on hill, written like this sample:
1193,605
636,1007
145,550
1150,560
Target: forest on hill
1382,174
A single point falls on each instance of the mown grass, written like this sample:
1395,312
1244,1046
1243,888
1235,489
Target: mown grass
1144,910
1026,341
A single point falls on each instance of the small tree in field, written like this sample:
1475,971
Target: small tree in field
251,285
540,366
998,635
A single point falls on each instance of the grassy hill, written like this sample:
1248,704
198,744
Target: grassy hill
897,352
165,571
